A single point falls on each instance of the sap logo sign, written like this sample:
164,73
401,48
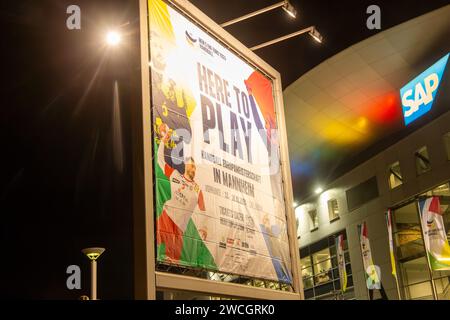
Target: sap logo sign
418,95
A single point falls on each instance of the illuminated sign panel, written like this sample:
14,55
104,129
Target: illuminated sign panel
418,95
218,185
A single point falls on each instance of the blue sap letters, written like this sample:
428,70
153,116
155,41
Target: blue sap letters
418,95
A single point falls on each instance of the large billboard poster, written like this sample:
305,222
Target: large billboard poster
219,191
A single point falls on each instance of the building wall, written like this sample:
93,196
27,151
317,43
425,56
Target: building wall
373,212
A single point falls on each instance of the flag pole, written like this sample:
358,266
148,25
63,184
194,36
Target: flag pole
394,254
398,288
433,286
337,258
341,267
396,278
362,259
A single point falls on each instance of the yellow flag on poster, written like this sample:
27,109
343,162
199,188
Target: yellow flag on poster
159,19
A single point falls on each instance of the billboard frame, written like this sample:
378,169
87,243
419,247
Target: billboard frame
146,279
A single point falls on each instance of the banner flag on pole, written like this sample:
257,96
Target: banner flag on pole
341,262
372,277
434,235
391,242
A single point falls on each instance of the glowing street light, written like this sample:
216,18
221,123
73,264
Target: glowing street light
318,190
93,254
290,10
113,38
316,35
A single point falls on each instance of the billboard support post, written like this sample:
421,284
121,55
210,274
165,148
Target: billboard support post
144,239
147,279
288,192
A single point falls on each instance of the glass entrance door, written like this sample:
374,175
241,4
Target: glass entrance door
416,279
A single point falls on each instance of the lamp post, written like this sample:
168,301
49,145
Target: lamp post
93,254
286,5
290,10
312,31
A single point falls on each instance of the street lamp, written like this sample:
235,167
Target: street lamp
286,5
311,30
113,38
318,190
316,35
289,9
93,254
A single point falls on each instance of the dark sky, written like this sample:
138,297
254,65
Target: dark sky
341,23
66,182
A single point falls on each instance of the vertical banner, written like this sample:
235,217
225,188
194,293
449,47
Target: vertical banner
392,252
219,191
391,242
341,262
371,271
434,235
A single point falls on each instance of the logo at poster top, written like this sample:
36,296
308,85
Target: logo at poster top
190,38
430,220
418,95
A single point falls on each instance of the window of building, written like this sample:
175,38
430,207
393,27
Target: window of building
333,209
411,253
410,250
307,272
313,220
441,278
422,161
443,191
362,193
447,144
395,175
322,266
320,271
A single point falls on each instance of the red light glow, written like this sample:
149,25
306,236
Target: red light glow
385,110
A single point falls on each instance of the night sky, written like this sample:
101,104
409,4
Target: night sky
66,178
66,181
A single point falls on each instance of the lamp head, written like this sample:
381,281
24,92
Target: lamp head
93,253
113,38
316,35
318,190
289,8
